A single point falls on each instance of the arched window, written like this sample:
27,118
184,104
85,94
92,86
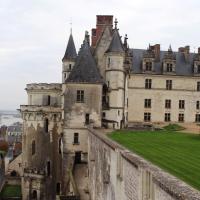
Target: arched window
58,187
33,147
34,195
46,125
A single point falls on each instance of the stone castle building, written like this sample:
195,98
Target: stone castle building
107,84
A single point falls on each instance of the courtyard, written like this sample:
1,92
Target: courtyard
174,151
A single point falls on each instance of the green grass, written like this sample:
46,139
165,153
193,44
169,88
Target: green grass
11,191
175,152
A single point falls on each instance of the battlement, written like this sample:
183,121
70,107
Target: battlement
44,86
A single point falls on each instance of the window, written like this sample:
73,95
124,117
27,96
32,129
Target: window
148,66
147,117
181,104
46,125
197,105
168,84
34,195
108,84
70,66
198,69
198,86
118,112
30,99
167,103
59,146
48,100
127,102
87,118
167,117
181,117
58,186
108,62
76,138
147,103
103,114
33,147
80,96
169,67
197,118
148,83
48,168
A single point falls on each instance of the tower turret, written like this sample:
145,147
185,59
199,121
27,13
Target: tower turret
116,82
68,59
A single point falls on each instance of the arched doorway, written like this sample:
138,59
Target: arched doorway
34,195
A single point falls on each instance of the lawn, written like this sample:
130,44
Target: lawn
175,152
11,191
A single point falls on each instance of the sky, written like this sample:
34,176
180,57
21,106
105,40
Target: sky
34,35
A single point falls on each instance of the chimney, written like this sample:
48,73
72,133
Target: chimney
199,50
101,22
156,49
186,51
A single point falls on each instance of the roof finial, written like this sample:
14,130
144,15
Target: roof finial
116,23
70,26
170,48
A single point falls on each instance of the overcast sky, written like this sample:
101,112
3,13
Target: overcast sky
34,34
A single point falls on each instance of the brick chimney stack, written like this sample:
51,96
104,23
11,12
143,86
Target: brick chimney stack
186,51
156,49
101,22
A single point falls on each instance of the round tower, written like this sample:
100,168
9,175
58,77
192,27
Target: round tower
68,59
116,82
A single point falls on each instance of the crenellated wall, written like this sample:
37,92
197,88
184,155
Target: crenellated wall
118,174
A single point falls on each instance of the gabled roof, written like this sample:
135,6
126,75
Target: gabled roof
116,43
70,52
85,69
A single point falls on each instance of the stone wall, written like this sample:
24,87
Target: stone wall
118,174
183,88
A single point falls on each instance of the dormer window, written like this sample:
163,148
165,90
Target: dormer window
148,66
169,67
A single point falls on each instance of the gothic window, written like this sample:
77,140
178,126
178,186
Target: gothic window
46,125
168,103
169,67
147,117
76,138
148,66
167,117
48,168
87,118
181,104
80,96
198,105
181,117
147,103
148,83
197,118
33,147
168,84
198,86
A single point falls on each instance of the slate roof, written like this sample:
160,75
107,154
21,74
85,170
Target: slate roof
183,68
85,69
116,43
70,52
